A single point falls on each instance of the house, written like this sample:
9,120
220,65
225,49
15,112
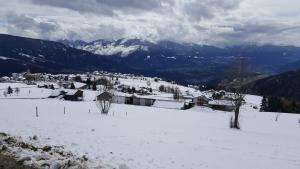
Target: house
139,100
219,95
74,95
169,104
133,99
79,85
119,99
57,93
4,79
200,100
223,105
188,105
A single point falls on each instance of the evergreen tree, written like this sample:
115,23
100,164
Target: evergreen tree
94,86
9,90
264,104
78,79
52,87
72,86
89,82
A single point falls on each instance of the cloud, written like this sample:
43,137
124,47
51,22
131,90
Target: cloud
103,7
208,8
17,24
214,22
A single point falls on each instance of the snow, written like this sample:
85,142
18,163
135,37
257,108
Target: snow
168,104
111,49
25,55
151,137
138,137
171,57
26,91
78,85
4,58
220,102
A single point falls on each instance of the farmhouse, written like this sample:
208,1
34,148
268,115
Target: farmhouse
133,99
139,100
74,95
223,105
169,104
200,100
57,93
4,79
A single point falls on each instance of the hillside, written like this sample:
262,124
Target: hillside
168,55
139,137
183,63
283,85
19,54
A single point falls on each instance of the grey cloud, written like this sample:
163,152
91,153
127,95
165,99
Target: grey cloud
198,10
104,7
258,32
21,23
214,22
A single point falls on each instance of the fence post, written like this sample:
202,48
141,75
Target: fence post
64,110
36,112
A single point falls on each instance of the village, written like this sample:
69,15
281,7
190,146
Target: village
124,121
119,89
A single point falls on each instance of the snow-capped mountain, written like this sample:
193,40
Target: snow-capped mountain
121,47
19,54
184,63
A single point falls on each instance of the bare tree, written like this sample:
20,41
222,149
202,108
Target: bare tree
238,78
104,101
17,90
107,84
176,93
5,93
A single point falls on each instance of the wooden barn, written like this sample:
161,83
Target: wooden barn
200,100
74,95
223,105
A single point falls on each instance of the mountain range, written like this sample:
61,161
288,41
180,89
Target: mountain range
181,62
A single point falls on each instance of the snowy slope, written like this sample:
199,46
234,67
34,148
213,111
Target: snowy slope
150,137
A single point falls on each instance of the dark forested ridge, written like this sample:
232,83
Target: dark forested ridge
183,63
285,85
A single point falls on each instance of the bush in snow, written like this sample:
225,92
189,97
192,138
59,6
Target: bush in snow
148,83
5,93
17,90
9,90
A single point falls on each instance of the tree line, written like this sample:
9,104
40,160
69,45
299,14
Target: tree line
279,104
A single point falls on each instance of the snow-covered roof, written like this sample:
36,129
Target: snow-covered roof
221,102
71,92
56,93
168,104
78,84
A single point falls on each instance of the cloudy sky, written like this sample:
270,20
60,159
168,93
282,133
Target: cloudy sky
216,22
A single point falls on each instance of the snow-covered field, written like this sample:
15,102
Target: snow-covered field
157,138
